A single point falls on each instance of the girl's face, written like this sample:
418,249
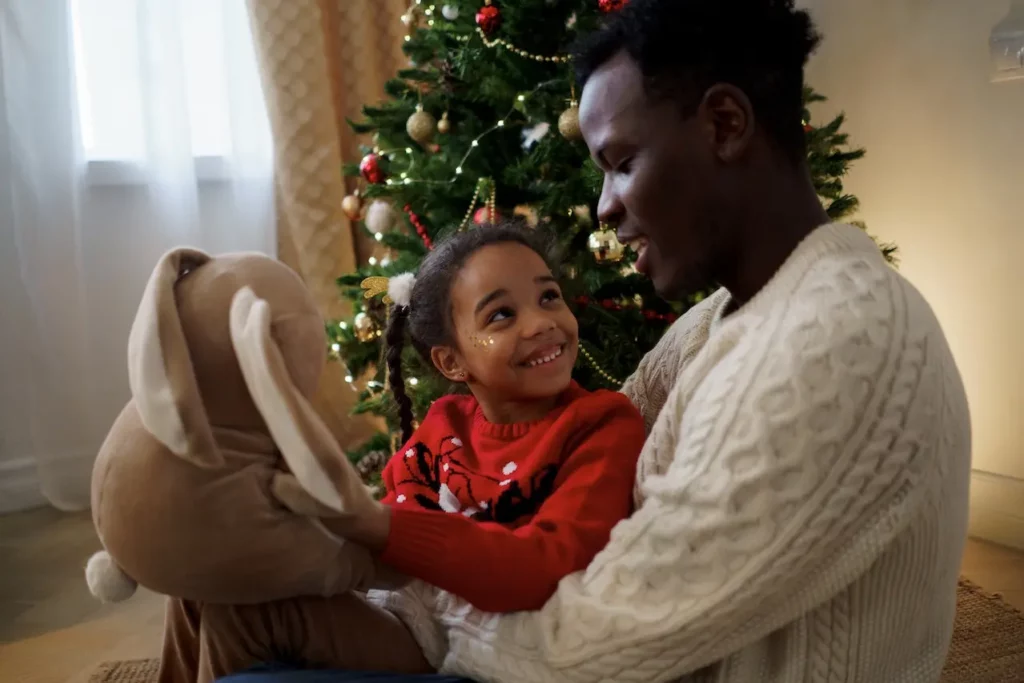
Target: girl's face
515,338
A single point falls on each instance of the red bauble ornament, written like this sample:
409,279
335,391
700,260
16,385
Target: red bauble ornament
483,215
808,128
370,169
488,18
611,5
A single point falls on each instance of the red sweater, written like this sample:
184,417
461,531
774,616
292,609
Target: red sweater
498,513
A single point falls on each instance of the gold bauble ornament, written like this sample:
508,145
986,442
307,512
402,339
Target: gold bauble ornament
365,328
569,123
444,125
421,125
605,246
352,205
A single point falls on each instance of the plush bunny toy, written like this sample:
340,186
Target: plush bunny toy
211,482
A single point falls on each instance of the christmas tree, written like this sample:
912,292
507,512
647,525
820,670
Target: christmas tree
482,127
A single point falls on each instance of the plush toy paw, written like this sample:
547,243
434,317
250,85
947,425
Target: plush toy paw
106,580
289,492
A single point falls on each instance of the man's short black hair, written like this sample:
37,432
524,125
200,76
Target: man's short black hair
683,47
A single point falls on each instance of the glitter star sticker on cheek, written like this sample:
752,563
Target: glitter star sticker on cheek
482,342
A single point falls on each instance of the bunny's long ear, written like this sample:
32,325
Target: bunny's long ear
312,454
160,369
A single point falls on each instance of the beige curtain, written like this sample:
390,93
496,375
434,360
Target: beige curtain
320,62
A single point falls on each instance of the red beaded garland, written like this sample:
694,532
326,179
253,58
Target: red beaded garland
610,305
418,224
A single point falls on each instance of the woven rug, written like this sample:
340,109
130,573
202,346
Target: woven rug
987,647
988,639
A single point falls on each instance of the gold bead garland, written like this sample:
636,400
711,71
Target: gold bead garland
481,186
492,211
495,42
601,371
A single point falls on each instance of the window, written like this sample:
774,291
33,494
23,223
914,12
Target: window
151,74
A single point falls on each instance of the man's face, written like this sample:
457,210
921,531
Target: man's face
663,184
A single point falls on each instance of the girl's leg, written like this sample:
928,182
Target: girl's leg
341,632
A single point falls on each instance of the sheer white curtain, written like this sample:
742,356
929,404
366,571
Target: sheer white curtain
127,127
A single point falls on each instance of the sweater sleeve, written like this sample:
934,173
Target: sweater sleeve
502,570
787,467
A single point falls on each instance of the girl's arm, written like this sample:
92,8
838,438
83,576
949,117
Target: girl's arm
505,570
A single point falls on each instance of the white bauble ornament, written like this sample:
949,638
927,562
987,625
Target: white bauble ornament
450,12
380,216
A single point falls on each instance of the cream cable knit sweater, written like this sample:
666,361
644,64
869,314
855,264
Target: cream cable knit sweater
802,501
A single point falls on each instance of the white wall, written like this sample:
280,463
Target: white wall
944,178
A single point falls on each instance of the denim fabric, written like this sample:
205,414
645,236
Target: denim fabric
285,673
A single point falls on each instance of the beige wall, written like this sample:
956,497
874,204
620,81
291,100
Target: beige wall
944,178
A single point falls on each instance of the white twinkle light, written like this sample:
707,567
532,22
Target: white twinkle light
372,260
335,347
458,170
343,325
378,236
348,378
413,381
501,123
408,150
476,143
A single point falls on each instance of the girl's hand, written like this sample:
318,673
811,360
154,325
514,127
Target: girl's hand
369,528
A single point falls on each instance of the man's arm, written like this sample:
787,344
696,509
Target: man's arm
786,468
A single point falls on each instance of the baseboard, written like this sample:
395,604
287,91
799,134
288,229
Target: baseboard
68,479
19,486
997,508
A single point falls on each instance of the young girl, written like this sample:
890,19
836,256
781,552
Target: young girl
495,497
499,494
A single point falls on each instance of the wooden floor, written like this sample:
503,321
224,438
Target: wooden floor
53,631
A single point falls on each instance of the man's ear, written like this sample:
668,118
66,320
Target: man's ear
449,363
728,117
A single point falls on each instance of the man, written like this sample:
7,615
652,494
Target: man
802,496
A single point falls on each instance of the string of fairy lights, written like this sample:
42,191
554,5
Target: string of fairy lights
404,177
